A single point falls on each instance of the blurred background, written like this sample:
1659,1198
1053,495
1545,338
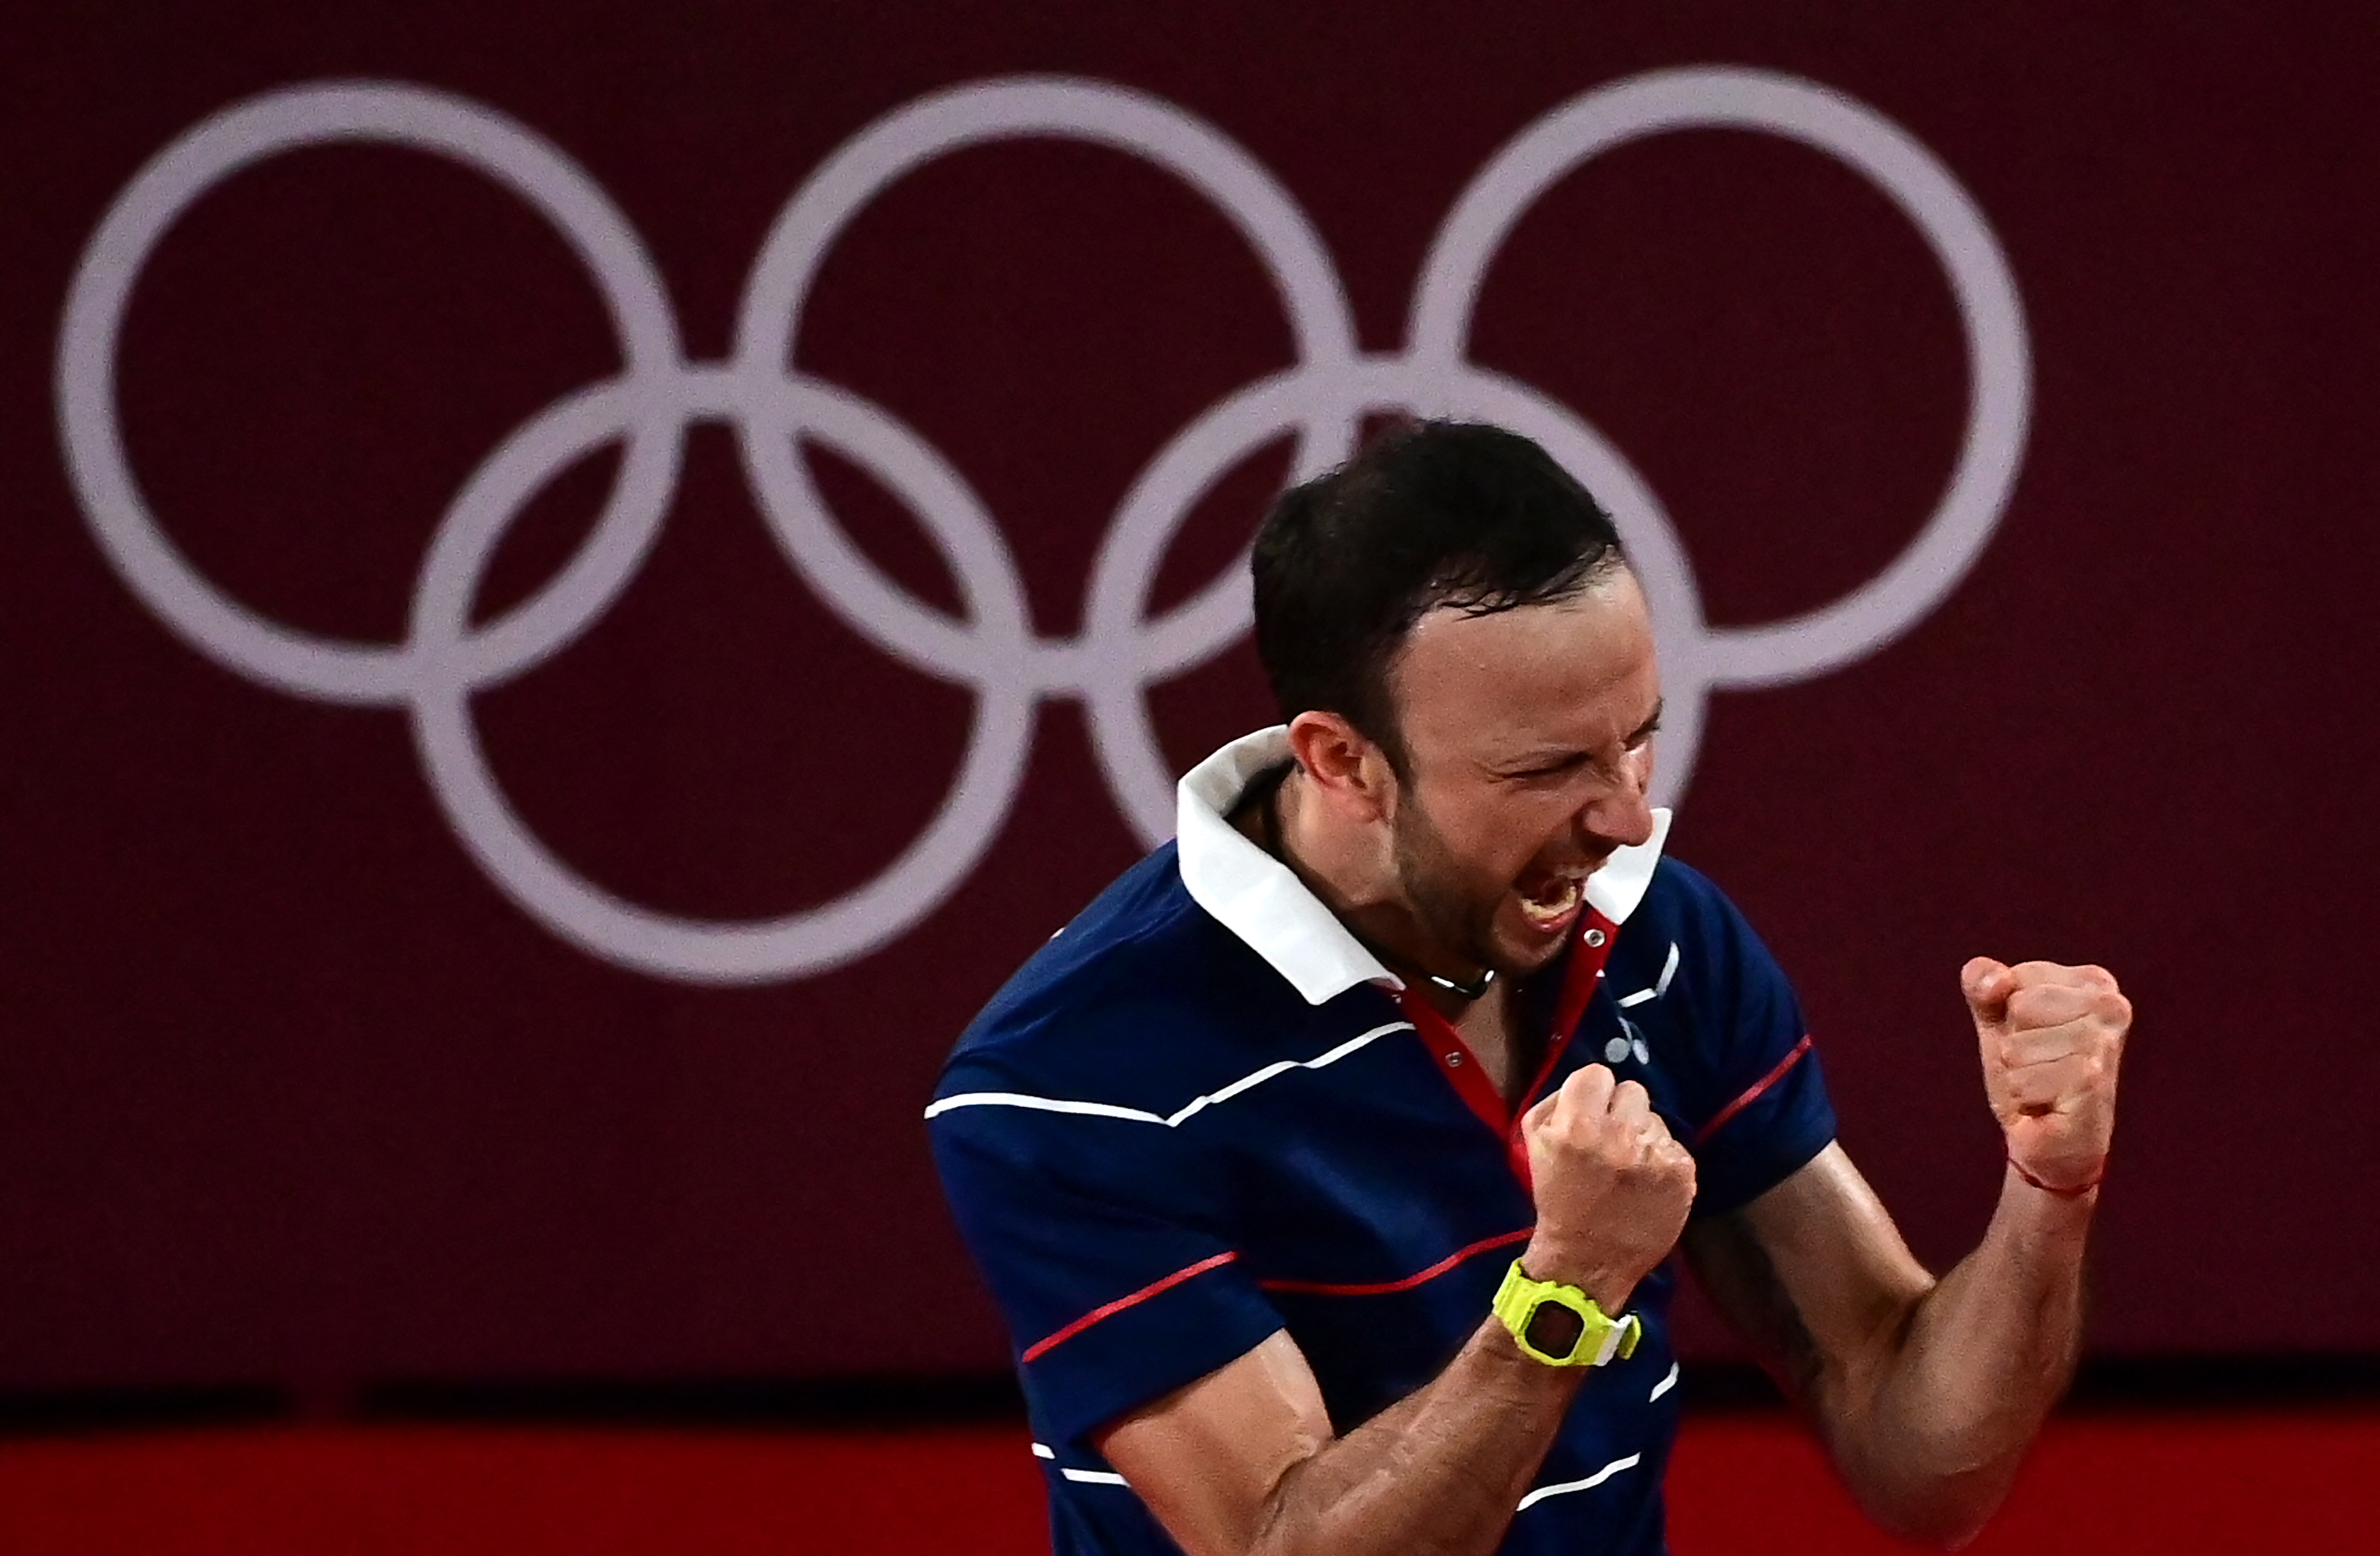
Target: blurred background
581,583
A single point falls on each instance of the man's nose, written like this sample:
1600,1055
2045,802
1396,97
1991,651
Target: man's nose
1621,815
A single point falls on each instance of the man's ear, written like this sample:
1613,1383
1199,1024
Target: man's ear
1350,771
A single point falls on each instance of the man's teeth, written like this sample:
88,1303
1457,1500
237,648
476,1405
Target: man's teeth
1553,900
1553,888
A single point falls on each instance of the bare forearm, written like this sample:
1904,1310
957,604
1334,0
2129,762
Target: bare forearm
1438,1474
1960,1391
1244,1462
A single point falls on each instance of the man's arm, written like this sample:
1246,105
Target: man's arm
1927,1392
1243,1462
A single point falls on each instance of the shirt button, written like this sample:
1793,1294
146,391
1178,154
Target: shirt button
1454,1060
1615,1050
1595,937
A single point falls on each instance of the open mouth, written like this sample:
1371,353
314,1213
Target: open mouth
1550,899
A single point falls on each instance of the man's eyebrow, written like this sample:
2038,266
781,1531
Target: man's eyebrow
1548,757
1537,761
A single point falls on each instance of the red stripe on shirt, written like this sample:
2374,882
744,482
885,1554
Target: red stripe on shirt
1771,1078
1324,1288
1109,1310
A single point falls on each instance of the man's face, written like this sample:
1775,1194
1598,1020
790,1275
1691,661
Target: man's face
1529,740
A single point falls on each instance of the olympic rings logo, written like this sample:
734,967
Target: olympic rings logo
992,649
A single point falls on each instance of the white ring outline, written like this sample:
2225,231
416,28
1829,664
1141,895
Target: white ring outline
1999,372
1121,653
932,865
293,120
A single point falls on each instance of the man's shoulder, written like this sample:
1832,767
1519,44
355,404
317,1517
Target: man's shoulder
1144,984
1686,919
1682,897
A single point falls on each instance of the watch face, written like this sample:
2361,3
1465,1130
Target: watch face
1555,1329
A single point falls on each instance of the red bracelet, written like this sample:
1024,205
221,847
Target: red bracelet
2075,1193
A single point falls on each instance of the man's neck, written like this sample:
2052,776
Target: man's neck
1351,875
1352,872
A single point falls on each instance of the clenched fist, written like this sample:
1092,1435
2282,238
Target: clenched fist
1612,1187
2052,1038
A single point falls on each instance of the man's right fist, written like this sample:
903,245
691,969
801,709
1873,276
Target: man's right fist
1612,1187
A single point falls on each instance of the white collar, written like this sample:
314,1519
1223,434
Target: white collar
1262,901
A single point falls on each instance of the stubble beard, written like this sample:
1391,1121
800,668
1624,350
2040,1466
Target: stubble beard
1457,918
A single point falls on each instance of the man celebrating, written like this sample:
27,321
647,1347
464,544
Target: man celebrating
1328,1167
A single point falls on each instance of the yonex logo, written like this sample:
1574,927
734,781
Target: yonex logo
992,649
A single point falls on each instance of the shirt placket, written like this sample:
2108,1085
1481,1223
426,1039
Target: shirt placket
1469,1077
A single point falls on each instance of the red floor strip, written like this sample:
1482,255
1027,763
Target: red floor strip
2306,1483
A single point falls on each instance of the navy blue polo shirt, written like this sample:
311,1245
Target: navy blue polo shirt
1204,1113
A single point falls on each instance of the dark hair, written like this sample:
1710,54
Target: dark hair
1432,513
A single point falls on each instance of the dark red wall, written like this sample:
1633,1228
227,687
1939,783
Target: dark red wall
290,1088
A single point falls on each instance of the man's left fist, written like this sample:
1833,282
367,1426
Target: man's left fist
2052,1038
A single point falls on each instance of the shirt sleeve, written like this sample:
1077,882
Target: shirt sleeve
1103,1241
1764,1113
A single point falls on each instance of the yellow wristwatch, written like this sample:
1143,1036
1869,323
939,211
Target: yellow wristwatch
1560,1325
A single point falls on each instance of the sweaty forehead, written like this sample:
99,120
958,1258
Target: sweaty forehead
1578,673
